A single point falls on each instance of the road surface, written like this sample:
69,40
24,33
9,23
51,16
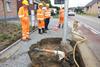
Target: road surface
91,22
19,52
18,55
90,27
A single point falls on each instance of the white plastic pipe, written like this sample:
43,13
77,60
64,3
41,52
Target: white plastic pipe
32,18
32,14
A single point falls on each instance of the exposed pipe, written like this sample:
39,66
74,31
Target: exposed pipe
75,27
61,54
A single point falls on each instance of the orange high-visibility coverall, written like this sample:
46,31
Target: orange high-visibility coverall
47,13
40,18
24,19
47,17
61,16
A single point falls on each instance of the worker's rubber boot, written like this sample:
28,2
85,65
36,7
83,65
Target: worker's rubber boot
28,38
33,28
59,26
39,31
24,39
43,30
62,26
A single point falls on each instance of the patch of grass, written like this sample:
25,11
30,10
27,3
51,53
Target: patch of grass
56,16
9,34
4,37
88,14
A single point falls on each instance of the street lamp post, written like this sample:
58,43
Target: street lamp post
66,28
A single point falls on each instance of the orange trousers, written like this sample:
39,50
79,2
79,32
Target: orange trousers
25,23
41,24
61,20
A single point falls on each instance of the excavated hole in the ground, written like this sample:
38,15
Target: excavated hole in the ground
45,59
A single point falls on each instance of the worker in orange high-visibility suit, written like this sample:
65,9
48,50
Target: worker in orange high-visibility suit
24,19
61,17
40,18
47,16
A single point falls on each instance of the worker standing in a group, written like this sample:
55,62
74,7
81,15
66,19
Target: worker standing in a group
40,18
61,17
24,19
47,16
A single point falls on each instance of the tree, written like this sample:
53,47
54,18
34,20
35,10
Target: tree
46,1
79,10
4,9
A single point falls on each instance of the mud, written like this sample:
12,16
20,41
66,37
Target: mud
44,59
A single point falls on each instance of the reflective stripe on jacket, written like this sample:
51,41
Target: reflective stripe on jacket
40,14
23,12
47,13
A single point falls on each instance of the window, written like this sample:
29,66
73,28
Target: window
59,1
87,8
97,2
8,4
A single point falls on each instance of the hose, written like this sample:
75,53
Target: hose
77,43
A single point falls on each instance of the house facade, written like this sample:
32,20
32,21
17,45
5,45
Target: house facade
11,8
57,3
93,8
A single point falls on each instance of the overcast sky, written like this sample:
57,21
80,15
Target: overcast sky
75,3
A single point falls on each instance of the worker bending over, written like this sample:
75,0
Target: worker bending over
24,19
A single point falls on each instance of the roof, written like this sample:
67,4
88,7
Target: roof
92,2
36,1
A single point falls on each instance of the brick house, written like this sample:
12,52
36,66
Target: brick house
93,8
57,3
11,9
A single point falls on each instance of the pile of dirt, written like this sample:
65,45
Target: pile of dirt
9,33
45,59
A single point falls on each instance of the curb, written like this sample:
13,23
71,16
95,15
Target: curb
13,44
10,46
88,58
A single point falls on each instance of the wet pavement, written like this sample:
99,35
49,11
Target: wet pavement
90,28
93,41
20,56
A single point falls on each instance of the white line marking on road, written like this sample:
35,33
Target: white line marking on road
92,29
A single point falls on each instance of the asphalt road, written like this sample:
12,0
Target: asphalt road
92,23
90,28
21,59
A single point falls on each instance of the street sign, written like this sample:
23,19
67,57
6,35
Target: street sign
31,1
59,1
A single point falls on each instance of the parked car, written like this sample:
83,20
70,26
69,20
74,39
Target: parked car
71,13
53,11
99,16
